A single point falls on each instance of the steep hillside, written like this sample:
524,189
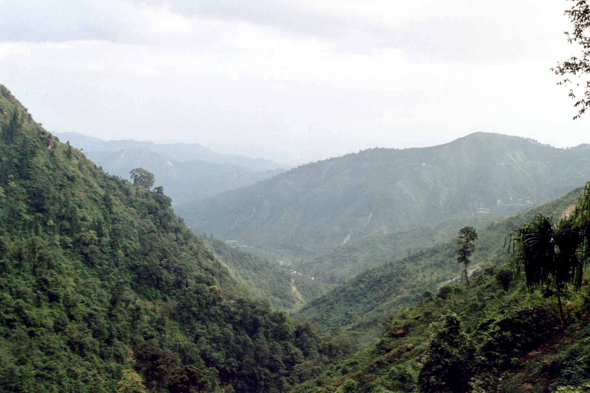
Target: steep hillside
320,206
361,304
502,339
492,335
269,281
103,288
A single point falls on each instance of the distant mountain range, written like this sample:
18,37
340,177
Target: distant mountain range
322,206
188,172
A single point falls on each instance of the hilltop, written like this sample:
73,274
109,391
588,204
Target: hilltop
321,206
180,152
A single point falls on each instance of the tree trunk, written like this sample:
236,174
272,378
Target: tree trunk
560,309
466,276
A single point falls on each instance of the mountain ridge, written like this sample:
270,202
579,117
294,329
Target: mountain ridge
176,151
318,206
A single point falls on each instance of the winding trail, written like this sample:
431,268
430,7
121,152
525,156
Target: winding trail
296,291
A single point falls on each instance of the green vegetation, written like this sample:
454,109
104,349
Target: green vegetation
578,66
464,246
324,205
361,304
142,178
550,254
448,359
267,280
104,289
345,262
492,336
495,335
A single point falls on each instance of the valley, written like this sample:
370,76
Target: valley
102,274
357,196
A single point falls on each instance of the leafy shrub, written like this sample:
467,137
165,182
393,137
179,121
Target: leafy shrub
448,362
504,277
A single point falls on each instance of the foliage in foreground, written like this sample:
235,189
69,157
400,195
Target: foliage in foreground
492,336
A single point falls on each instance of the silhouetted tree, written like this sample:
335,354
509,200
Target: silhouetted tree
578,66
548,253
464,246
69,150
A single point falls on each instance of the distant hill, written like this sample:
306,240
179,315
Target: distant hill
188,172
362,303
325,205
181,152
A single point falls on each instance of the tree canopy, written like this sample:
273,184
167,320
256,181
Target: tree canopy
578,67
465,244
553,255
142,178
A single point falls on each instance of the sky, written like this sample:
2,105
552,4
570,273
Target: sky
293,81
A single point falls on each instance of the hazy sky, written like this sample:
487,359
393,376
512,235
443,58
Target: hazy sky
291,80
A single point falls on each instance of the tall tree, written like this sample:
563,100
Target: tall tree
578,67
130,382
142,178
464,246
548,253
582,220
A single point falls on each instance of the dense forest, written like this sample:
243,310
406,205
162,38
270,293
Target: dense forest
267,280
104,289
135,266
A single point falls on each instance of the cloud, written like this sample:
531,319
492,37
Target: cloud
265,78
456,30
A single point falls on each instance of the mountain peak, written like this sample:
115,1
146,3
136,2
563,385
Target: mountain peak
319,205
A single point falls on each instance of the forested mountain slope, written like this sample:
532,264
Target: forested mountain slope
491,337
323,205
498,333
362,303
267,280
104,289
188,172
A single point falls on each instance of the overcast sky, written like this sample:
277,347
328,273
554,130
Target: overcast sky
291,80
